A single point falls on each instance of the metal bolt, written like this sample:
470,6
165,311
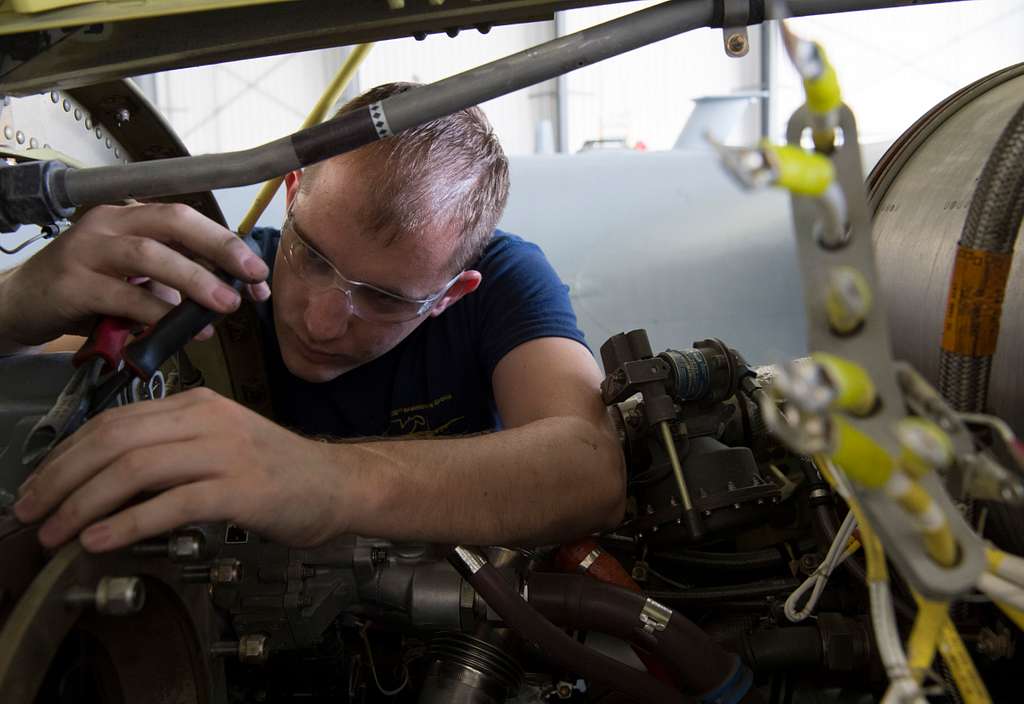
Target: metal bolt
54,97
33,143
253,649
737,43
8,133
109,143
226,571
67,106
379,557
123,115
184,547
117,153
99,133
78,114
112,596
88,123
563,690
20,137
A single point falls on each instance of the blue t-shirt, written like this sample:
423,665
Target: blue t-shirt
437,381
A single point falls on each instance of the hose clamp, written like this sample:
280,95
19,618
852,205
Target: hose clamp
587,561
474,561
654,616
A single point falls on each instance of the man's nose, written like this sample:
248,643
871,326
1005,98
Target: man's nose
327,315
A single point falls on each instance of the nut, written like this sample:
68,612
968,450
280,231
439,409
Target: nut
253,649
120,595
184,547
226,571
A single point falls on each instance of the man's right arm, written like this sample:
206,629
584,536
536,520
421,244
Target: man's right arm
7,344
86,272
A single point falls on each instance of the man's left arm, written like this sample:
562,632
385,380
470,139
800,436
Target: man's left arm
553,474
556,472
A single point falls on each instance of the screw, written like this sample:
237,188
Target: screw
563,690
112,596
122,116
226,571
737,43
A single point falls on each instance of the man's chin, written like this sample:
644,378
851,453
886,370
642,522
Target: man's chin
315,371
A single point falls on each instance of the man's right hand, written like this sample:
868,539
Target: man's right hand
85,272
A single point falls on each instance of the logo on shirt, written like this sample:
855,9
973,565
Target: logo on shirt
424,419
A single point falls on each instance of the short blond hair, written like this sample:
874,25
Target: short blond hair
450,173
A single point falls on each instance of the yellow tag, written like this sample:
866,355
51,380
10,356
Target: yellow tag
975,302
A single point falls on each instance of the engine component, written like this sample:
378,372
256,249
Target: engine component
472,669
921,191
672,437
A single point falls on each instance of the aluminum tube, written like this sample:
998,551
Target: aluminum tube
546,61
186,174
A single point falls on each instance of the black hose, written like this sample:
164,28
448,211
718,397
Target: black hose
551,640
701,666
982,267
726,561
701,595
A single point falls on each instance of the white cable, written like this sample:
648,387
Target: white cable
902,687
999,589
816,582
1011,568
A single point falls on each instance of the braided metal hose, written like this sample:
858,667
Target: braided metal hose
984,255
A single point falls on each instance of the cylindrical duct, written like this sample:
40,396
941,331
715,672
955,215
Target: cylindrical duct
921,191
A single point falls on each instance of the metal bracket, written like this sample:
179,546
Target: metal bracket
872,349
735,17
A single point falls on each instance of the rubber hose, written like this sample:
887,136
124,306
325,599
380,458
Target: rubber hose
732,561
783,648
984,254
573,601
587,557
556,645
699,595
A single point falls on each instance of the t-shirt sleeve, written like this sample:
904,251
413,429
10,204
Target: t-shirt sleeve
521,298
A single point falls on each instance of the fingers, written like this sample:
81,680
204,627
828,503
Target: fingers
258,292
169,268
145,469
100,442
182,227
189,503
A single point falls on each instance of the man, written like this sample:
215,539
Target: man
394,310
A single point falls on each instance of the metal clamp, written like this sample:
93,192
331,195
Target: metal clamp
655,616
735,16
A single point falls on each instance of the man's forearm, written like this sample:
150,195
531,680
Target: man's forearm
8,345
549,481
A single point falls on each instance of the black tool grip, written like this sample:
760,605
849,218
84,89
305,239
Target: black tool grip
173,331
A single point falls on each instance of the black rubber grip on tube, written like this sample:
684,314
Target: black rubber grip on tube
335,136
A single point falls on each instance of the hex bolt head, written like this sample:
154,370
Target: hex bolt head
253,648
184,547
226,571
114,596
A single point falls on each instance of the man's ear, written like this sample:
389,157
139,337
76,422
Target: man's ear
467,282
291,187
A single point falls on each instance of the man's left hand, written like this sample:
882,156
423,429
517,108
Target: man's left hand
209,458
